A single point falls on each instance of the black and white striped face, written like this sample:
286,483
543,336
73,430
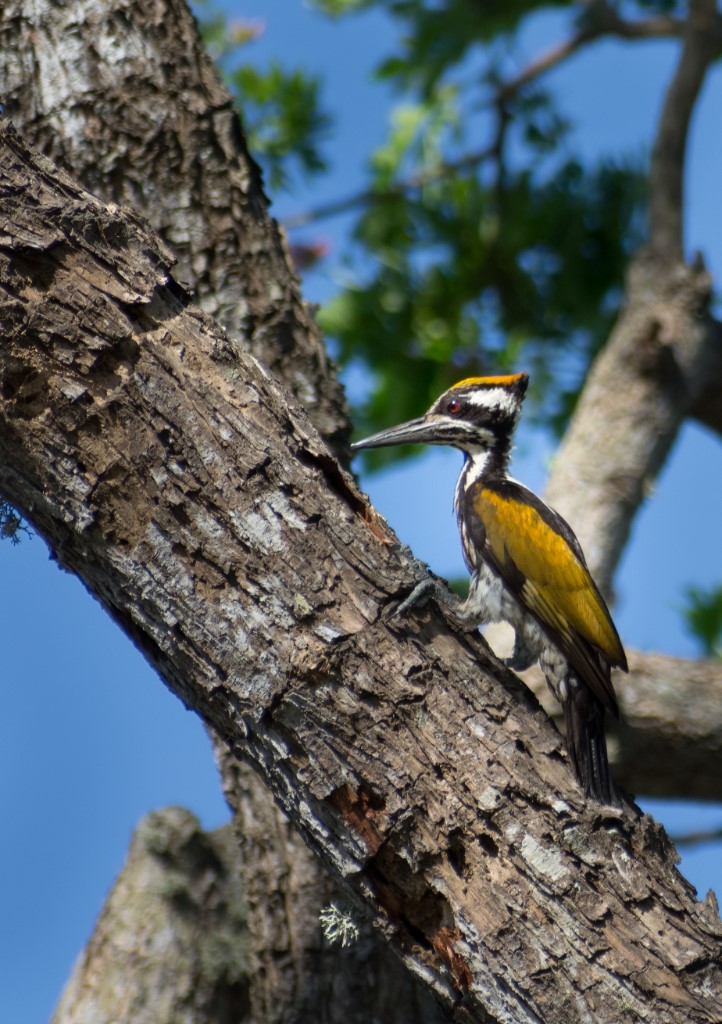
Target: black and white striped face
476,415
486,408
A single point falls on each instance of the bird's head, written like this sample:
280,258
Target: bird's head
477,414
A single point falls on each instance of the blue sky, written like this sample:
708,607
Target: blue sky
91,739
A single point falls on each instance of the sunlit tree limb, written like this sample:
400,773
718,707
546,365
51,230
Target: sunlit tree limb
210,520
662,360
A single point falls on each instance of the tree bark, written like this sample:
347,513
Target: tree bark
98,106
180,923
193,497
663,362
668,742
176,919
125,97
93,120
149,125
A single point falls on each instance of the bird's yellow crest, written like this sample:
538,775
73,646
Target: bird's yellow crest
505,380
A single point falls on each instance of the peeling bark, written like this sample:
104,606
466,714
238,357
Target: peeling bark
124,96
213,215
296,975
137,168
195,500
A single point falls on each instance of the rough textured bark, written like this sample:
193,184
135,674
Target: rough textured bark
124,95
195,500
187,170
176,920
179,924
86,113
296,975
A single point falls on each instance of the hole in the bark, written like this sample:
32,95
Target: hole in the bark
488,845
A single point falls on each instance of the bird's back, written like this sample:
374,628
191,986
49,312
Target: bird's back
539,560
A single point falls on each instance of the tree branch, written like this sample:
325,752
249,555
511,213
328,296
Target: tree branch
296,974
663,361
398,189
52,126
599,21
205,514
701,45
660,359
176,935
707,409
175,921
154,129
701,838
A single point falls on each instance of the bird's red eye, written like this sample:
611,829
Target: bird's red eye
453,406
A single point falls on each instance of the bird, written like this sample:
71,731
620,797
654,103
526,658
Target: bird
527,567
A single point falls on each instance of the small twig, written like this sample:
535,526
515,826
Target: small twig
400,188
602,21
712,835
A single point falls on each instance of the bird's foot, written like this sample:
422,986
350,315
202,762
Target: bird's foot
455,608
519,662
420,596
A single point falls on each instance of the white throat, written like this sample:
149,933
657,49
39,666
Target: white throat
474,465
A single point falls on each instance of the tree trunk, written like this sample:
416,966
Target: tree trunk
110,109
184,924
143,121
176,920
193,497
663,361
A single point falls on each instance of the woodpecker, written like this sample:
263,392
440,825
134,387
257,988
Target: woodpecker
527,567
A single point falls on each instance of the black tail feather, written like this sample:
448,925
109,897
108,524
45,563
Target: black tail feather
584,718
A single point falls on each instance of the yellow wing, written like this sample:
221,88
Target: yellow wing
540,565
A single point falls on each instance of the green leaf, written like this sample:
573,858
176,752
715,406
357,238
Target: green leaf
703,618
283,118
285,123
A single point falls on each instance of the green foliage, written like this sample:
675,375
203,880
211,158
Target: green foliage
703,618
660,6
284,122
436,38
468,277
474,258
283,119
487,244
339,7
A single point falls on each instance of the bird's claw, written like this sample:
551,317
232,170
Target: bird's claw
421,593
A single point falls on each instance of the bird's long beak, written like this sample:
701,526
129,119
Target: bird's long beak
420,431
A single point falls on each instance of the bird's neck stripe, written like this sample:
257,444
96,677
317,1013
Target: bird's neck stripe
475,465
